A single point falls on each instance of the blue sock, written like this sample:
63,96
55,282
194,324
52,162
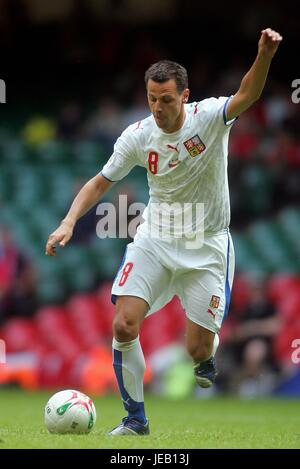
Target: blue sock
129,366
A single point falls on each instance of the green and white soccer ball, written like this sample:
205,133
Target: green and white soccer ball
70,411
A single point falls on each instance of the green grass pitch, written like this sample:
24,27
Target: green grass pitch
188,423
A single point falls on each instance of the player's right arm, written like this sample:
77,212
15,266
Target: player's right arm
86,198
254,81
116,168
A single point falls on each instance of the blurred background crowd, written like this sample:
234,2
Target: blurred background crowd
74,81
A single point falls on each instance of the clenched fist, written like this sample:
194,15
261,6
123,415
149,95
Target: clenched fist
269,42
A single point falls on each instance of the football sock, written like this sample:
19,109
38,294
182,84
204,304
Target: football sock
215,345
129,366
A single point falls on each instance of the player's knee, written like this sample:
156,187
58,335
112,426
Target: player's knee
200,353
129,315
125,328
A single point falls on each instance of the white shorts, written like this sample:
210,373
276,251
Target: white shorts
158,269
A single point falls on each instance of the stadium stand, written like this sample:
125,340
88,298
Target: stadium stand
49,147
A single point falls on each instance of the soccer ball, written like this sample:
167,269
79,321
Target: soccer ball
70,411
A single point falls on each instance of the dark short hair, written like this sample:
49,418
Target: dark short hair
165,70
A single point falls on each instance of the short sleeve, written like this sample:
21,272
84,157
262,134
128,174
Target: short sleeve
226,122
216,110
123,159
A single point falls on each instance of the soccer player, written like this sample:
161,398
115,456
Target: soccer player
183,147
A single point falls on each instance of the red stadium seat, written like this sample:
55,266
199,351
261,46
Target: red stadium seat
51,317
20,335
160,329
240,294
107,308
84,313
176,317
282,285
288,307
57,331
54,370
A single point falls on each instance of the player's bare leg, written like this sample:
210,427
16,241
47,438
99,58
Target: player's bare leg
202,345
129,363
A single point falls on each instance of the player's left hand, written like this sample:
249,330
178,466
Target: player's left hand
269,42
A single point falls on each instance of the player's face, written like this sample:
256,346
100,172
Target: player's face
166,104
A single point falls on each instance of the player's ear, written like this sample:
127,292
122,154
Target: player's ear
185,96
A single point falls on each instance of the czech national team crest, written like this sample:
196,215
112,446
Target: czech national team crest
215,301
194,146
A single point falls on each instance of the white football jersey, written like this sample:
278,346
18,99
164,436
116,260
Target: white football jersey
186,169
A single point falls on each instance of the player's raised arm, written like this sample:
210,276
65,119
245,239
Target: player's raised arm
254,81
86,198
